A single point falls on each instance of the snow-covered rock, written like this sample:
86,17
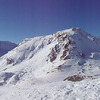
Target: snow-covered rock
69,57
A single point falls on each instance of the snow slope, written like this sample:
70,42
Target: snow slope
60,66
6,46
84,90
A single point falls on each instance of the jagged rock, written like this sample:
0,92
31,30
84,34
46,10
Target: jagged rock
57,49
66,46
65,37
74,78
9,61
52,55
65,55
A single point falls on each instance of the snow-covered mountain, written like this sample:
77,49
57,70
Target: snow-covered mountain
54,67
6,46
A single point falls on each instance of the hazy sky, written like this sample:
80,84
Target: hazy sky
21,19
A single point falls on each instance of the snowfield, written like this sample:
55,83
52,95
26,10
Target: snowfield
84,90
61,66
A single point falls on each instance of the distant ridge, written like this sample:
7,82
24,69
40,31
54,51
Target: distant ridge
6,46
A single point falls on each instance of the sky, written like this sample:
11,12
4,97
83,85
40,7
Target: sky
21,19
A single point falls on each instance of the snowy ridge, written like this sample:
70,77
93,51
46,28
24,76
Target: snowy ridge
61,58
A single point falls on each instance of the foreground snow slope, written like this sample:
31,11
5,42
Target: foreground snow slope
84,90
61,66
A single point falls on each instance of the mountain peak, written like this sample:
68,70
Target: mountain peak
76,28
67,55
51,53
72,31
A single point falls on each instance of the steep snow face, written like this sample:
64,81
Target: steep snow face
65,55
6,46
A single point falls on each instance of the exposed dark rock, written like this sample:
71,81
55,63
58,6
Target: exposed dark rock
52,55
59,35
65,37
65,55
9,61
54,52
74,78
57,50
66,46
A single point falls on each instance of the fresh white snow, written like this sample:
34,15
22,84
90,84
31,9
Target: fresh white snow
61,66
